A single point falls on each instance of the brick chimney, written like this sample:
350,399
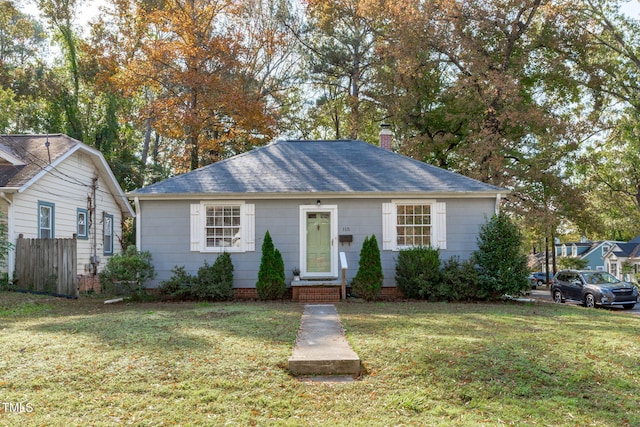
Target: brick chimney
386,136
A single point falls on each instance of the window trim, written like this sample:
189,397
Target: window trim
85,212
52,208
390,223
104,246
198,239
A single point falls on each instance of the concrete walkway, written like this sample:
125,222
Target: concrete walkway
321,347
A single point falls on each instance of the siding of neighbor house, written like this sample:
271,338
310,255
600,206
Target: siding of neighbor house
165,232
68,188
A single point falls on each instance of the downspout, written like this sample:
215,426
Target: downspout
11,255
498,203
136,202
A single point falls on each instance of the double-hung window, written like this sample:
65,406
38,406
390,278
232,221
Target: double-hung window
222,226
82,217
413,223
46,220
107,234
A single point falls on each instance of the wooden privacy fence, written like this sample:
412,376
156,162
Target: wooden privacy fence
47,265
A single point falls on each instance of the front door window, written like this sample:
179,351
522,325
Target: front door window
318,234
318,242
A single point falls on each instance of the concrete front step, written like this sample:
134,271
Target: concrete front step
321,347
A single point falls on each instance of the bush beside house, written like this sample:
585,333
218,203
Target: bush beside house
127,273
418,272
271,278
212,283
497,268
500,259
367,282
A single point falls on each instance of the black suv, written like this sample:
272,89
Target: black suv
591,288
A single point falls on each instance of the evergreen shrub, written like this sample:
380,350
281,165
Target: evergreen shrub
215,282
180,286
418,272
458,281
367,282
127,273
212,283
500,259
271,278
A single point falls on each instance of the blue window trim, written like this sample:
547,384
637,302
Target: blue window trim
104,249
53,217
84,236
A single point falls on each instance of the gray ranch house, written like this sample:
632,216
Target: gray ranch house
318,200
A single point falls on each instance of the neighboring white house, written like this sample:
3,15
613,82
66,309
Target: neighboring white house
623,260
53,186
317,199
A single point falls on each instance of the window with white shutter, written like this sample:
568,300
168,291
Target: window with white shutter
414,223
222,227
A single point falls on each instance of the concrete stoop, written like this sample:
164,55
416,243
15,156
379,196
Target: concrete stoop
321,347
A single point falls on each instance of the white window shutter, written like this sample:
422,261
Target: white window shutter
388,227
196,228
440,225
248,223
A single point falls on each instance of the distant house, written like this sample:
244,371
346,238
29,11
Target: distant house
591,251
317,199
53,186
623,259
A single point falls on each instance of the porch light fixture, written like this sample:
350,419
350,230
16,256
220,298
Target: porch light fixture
318,203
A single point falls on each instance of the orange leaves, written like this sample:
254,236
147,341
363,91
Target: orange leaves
185,62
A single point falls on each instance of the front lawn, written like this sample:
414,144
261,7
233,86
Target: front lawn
69,362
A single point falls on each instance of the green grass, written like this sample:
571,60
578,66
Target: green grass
86,363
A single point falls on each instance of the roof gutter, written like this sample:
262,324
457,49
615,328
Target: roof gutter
334,195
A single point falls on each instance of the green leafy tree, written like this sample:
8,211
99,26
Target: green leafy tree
503,265
367,282
572,263
486,89
340,49
610,174
271,277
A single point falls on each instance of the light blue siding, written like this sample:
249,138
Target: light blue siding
165,232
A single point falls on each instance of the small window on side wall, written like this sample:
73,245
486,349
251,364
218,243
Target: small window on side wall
107,234
82,220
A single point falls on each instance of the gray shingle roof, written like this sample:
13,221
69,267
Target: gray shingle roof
318,167
629,250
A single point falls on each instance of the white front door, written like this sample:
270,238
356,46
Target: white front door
318,235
